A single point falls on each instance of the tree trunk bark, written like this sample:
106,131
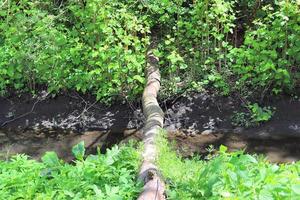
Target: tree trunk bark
154,188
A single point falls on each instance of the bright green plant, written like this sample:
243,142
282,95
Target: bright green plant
202,36
268,58
254,115
259,114
227,176
102,176
97,47
196,45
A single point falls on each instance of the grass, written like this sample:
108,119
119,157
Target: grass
226,175
102,176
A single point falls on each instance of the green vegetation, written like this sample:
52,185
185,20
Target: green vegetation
203,41
254,115
259,114
227,176
245,47
98,46
109,176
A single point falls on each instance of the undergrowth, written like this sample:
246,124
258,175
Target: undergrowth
98,46
235,175
254,116
109,176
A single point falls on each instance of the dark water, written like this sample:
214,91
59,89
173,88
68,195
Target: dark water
194,122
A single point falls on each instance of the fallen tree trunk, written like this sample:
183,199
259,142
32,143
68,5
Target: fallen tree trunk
154,187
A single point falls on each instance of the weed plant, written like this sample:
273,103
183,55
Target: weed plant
225,175
102,176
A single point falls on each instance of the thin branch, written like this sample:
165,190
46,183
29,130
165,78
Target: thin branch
3,3
43,97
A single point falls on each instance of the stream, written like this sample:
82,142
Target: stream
196,123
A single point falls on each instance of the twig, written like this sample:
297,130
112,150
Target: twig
167,115
79,97
82,99
86,109
3,3
25,114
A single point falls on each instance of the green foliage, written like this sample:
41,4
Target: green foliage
79,150
253,116
109,176
259,114
199,40
98,47
51,159
200,43
241,119
227,176
270,53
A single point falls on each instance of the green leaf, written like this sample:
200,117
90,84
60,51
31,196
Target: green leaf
265,195
10,71
51,159
223,149
251,158
296,188
79,150
139,78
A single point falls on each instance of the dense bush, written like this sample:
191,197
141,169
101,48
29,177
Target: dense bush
109,176
270,56
202,45
99,46
197,45
227,176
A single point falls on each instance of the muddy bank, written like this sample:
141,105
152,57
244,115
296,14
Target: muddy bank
212,114
36,125
70,111
205,120
35,144
275,149
195,122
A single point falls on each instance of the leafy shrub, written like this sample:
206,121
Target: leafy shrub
112,42
227,176
241,119
196,44
259,114
254,115
268,59
199,43
97,47
109,176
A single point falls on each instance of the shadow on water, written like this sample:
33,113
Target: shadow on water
36,144
279,150
59,123
103,126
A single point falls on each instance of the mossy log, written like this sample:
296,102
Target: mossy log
154,187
